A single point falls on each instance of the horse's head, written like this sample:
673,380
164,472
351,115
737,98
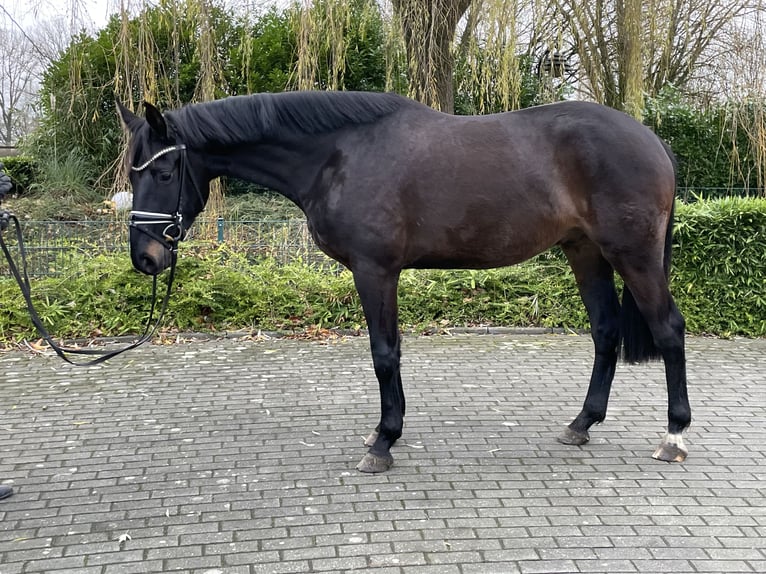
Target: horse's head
168,190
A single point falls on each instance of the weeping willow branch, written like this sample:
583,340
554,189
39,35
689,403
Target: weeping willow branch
140,64
746,87
322,40
395,51
488,50
210,77
428,28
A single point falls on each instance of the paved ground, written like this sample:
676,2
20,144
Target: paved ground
238,457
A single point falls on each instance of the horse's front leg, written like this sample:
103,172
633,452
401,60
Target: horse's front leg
595,280
373,436
377,291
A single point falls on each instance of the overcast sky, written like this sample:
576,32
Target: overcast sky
92,14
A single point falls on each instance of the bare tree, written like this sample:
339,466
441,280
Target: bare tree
50,38
739,73
19,69
618,50
25,51
625,46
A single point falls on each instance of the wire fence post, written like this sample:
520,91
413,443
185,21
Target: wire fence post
220,229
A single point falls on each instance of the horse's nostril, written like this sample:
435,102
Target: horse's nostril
148,264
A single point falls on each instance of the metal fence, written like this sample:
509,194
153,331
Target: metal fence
54,246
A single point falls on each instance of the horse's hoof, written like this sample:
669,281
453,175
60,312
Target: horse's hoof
373,464
370,440
573,437
672,449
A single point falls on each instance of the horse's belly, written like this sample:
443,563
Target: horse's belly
485,249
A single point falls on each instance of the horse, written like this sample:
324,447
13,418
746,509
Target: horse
387,183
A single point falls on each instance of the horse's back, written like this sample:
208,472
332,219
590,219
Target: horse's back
567,143
486,191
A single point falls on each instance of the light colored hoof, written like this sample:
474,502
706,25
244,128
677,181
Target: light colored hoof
672,449
370,440
569,436
373,464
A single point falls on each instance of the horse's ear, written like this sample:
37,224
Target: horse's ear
127,117
156,120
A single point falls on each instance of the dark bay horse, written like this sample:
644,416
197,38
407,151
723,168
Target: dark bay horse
387,183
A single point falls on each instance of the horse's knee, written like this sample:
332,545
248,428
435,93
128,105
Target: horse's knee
385,359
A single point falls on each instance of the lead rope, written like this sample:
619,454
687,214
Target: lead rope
22,278
150,218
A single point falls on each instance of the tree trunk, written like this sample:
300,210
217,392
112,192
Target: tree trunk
429,27
631,64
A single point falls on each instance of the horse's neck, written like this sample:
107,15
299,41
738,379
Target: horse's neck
285,167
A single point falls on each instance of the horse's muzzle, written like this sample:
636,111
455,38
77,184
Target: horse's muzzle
149,255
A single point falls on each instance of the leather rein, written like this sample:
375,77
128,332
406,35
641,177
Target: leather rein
171,235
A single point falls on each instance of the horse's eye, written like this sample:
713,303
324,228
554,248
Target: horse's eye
165,176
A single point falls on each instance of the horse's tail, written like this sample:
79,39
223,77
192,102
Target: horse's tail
636,339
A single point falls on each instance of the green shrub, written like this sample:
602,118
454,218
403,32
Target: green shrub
716,155
261,205
67,176
719,266
59,188
540,292
23,170
718,280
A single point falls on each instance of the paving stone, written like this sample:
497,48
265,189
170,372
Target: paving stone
237,457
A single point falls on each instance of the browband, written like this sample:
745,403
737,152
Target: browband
160,153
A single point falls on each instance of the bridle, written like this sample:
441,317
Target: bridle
171,235
173,232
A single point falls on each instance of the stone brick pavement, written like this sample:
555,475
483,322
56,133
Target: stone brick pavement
238,457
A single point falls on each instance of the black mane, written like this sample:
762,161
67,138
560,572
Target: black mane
238,119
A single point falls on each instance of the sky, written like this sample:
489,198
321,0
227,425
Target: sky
91,14
88,14
48,24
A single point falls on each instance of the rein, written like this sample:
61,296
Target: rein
171,235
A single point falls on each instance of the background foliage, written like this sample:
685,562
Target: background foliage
164,45
718,280
173,52
711,143
719,276
163,53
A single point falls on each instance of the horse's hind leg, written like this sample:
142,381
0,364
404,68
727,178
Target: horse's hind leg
647,291
595,280
377,291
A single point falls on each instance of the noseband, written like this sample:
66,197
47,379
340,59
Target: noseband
173,232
